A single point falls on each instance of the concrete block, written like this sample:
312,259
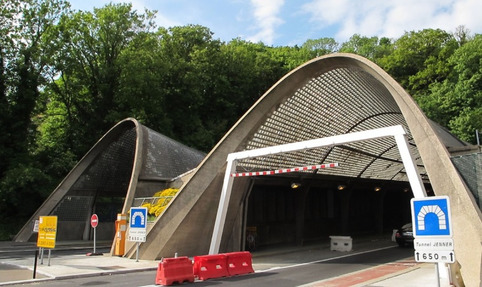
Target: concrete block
341,243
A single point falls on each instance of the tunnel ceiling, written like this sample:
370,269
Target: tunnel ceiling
339,101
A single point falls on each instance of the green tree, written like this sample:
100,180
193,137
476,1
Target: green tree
250,69
457,101
86,85
190,55
142,85
419,59
371,48
24,64
321,46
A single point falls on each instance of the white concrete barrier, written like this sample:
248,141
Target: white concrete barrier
341,243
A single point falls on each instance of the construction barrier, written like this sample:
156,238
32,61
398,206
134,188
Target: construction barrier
210,266
239,263
174,270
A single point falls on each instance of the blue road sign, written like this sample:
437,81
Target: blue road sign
431,216
138,218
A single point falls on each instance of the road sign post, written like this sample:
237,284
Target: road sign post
47,231
137,227
47,234
432,230
94,222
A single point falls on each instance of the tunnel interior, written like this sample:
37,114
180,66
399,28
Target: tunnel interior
277,214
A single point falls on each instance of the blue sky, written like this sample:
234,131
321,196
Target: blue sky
290,22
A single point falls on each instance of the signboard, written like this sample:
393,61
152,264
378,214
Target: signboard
137,224
431,217
433,244
47,232
432,229
435,256
94,220
35,226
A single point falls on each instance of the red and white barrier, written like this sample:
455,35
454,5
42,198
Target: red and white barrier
239,263
210,266
174,270
222,265
285,170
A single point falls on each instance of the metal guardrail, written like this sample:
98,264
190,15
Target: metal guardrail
153,201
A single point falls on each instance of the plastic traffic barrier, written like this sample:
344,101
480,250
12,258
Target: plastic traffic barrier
239,263
174,270
210,266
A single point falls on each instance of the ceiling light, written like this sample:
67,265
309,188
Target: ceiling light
295,185
341,187
377,188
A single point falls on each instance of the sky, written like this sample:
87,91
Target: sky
292,22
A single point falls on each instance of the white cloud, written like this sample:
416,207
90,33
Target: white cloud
392,18
467,13
266,19
327,12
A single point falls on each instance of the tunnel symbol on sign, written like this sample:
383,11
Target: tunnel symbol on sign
435,209
138,214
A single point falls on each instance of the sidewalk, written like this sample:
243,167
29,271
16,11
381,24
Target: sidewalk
16,269
19,269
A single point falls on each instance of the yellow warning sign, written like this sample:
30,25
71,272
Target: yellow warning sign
47,231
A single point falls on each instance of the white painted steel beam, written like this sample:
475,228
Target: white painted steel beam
222,208
396,131
414,179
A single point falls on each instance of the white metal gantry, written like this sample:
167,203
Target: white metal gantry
397,132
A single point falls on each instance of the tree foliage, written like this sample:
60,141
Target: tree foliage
371,48
420,58
84,91
320,47
66,77
457,101
24,64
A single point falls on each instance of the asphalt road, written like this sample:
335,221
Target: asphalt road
288,276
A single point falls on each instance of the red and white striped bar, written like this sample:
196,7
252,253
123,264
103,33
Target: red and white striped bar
286,170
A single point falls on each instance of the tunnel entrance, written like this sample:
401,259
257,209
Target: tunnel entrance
278,214
401,144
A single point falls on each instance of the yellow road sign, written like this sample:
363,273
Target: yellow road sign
47,232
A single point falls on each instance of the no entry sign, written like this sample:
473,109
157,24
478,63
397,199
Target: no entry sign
94,220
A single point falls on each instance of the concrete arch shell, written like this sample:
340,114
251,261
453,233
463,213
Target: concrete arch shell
361,96
129,161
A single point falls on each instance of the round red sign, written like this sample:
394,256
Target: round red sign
94,220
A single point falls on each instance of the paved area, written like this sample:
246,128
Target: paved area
15,269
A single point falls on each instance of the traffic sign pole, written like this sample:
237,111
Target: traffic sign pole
94,221
95,238
432,231
138,227
35,263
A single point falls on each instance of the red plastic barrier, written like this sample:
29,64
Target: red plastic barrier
239,263
174,270
210,266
